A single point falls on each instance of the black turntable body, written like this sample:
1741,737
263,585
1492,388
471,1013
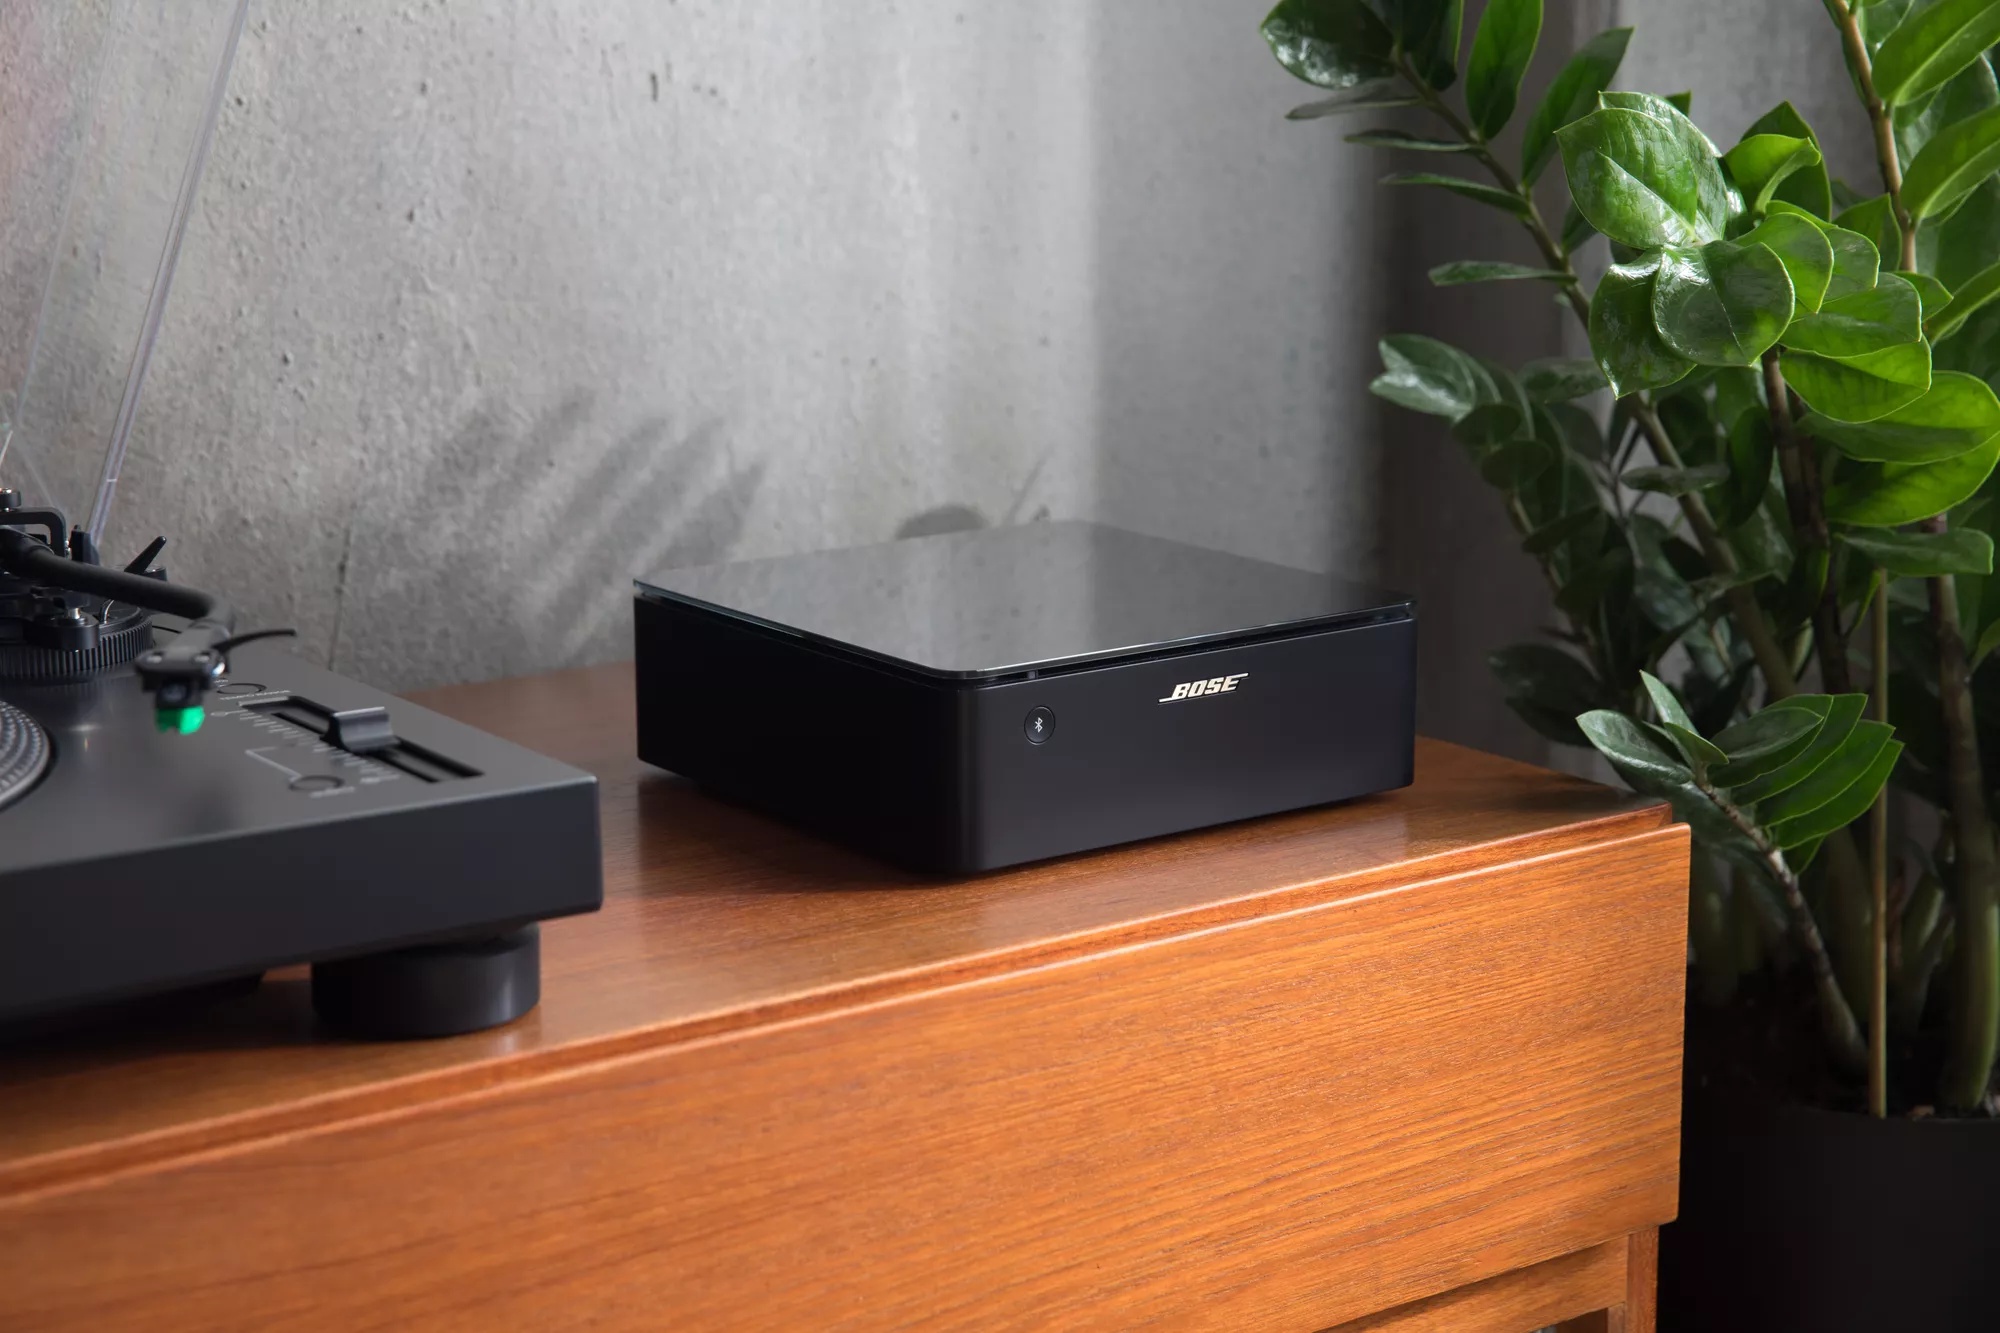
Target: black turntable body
180,806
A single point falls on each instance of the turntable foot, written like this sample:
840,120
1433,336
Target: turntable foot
432,990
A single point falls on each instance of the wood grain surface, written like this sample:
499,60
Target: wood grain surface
1635,1308
1554,1291
1279,1075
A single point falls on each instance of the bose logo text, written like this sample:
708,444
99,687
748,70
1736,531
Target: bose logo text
1195,689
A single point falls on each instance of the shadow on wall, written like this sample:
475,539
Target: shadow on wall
487,558
944,518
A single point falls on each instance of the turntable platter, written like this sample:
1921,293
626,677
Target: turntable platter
24,752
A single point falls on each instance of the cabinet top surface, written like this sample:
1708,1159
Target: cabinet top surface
716,919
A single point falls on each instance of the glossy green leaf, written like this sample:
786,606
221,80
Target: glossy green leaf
1933,295
1547,688
1462,271
1917,555
1737,388
1489,425
1643,180
1806,188
1762,547
1804,251
1956,160
1976,292
1623,338
1762,162
1841,769
1860,388
1968,93
1889,495
1932,46
1429,31
1426,375
1842,712
1558,379
1635,754
1956,414
1659,590
1876,220
1363,97
1666,704
1856,263
1560,490
1975,347
1698,753
1572,93
1546,672
1878,18
1516,463
1576,228
1459,185
1330,43
1959,248
1754,755
1571,427
1856,774
1501,49
1593,580
1767,740
1554,533
1751,449
1663,109
1721,305
1863,322
1675,480
1416,143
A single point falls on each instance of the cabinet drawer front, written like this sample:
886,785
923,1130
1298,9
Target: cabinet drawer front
1286,1123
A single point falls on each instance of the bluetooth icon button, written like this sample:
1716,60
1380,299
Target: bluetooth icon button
1039,726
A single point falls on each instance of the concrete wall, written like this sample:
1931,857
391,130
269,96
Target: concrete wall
488,307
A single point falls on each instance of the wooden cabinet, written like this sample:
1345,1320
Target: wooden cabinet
1413,1061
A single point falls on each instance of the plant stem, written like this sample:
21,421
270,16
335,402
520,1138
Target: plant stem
1976,1026
1878,869
1969,1063
1779,679
1848,21
1842,1032
1847,877
1800,471
1545,239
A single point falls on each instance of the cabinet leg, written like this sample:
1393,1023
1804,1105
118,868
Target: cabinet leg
1642,1276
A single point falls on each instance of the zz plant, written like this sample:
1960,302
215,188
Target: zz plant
1789,503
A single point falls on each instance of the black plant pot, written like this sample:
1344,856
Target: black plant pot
1794,1218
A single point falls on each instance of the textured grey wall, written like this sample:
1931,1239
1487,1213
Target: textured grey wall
488,307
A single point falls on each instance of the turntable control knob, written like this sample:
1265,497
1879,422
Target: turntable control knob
361,730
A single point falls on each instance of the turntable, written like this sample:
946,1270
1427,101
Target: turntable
182,803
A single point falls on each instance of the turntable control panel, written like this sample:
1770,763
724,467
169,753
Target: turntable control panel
324,752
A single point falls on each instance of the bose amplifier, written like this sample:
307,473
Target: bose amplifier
963,702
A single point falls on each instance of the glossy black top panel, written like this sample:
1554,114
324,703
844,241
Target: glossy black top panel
1006,600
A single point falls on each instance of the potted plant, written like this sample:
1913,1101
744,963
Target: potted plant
1772,482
